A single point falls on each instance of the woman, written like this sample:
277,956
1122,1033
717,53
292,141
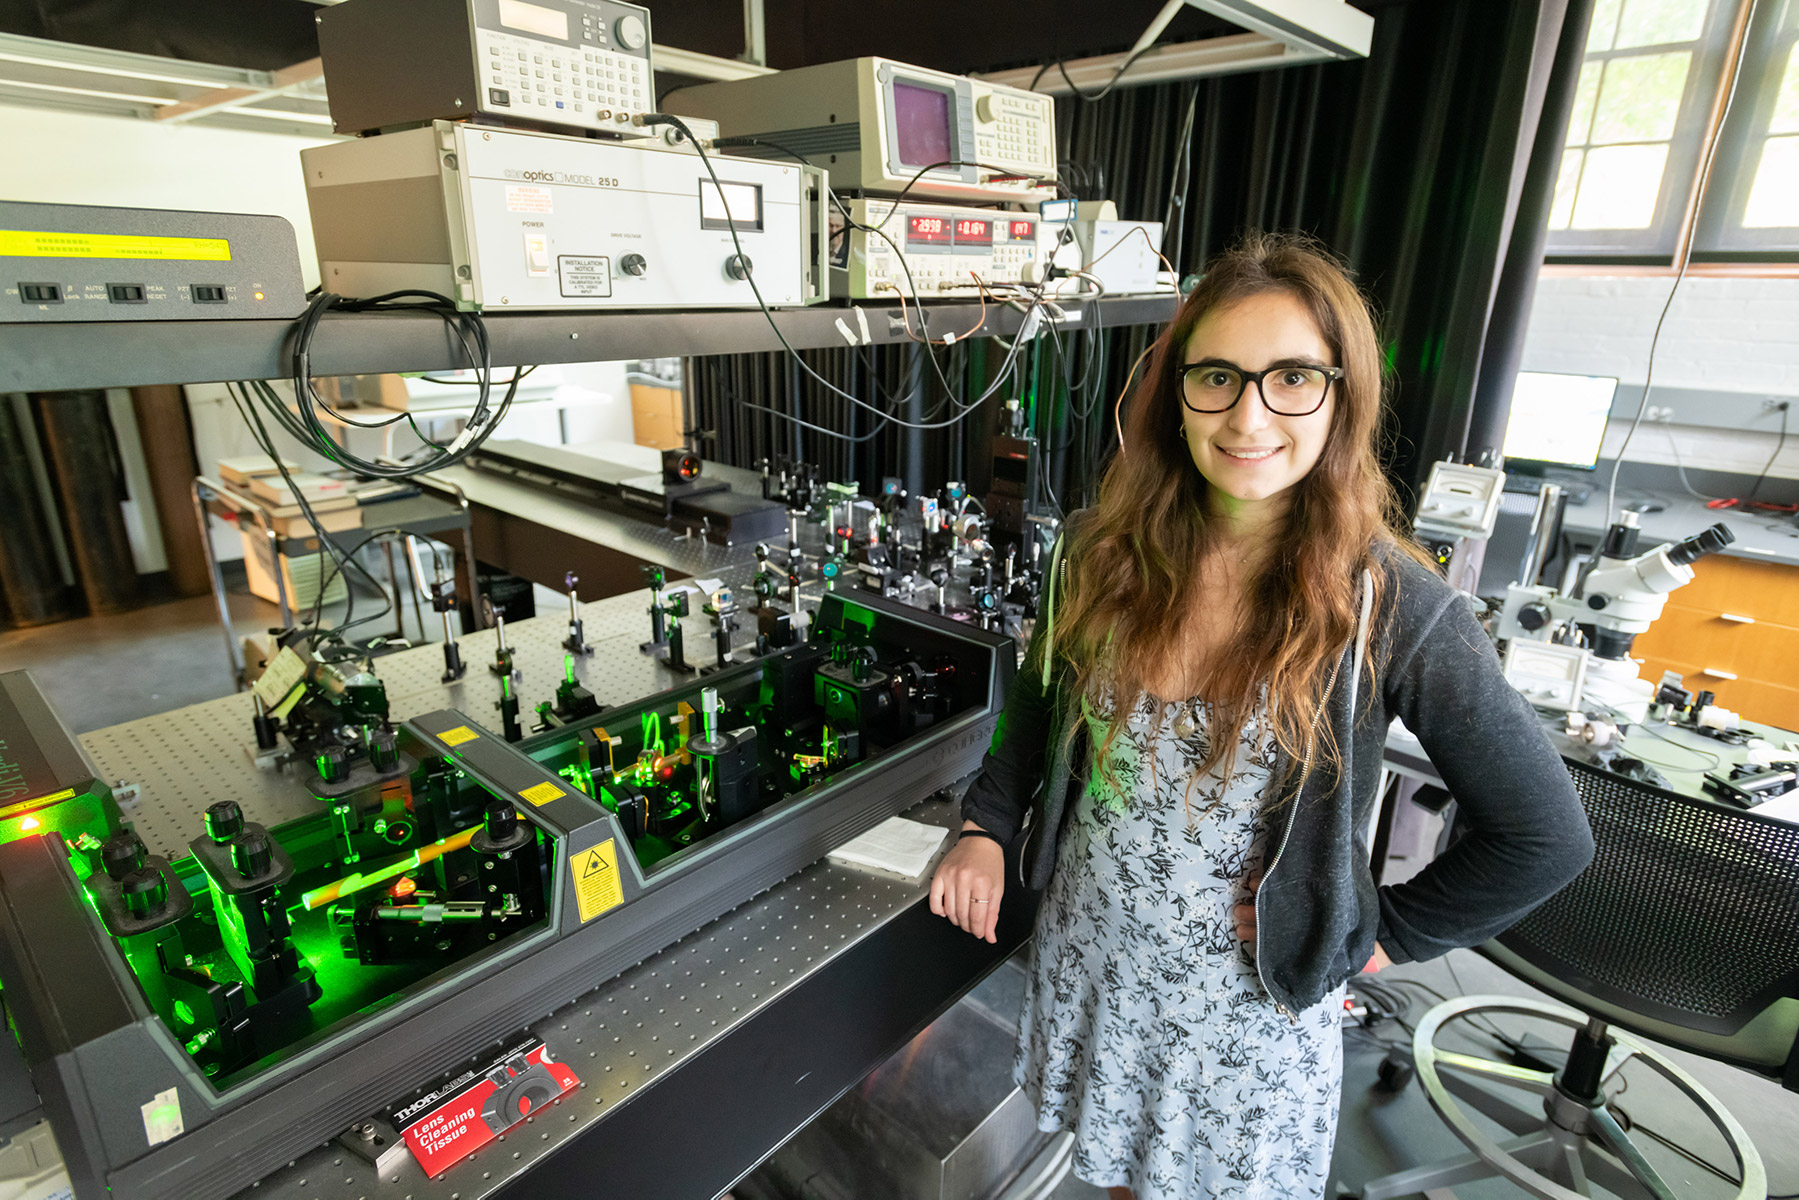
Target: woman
1194,743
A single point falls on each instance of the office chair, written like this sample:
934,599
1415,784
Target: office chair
1685,928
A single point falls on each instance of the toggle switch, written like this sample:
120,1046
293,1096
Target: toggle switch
537,254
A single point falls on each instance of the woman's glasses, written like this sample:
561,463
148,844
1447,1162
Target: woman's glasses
1289,390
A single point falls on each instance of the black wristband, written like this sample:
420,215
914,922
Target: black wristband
995,838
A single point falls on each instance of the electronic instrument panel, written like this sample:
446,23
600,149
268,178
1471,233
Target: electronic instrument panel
929,249
883,126
83,262
517,219
571,64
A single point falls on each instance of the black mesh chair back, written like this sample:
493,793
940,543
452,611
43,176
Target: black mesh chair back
1688,915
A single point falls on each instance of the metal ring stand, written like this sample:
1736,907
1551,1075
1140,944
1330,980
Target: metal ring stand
1574,1144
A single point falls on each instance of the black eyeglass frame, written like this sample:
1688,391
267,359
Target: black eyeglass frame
1331,375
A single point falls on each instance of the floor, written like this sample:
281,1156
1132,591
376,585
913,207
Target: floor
1379,1131
102,671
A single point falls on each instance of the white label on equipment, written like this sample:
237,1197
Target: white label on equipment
585,276
529,199
279,679
162,1117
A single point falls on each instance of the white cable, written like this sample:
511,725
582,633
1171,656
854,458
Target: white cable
1686,259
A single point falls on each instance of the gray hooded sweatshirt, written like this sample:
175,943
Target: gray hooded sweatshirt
1523,832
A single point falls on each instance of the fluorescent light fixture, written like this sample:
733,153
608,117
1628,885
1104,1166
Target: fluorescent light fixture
1282,33
1331,28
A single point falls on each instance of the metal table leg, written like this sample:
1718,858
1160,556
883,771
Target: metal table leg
393,583
409,556
200,493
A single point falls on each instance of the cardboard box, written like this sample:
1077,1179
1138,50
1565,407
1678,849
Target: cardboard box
363,391
301,573
293,523
658,418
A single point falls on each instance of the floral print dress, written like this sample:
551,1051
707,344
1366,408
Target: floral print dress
1145,1029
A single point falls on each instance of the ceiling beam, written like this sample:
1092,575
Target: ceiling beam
695,65
44,52
1179,60
281,82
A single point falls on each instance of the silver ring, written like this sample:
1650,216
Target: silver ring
980,902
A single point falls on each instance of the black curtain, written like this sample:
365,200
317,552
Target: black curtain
1411,164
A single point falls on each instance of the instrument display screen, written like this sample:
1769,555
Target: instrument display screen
923,125
970,230
928,231
50,243
534,18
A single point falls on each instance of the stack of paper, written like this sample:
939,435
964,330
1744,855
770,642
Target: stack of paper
896,844
320,491
241,470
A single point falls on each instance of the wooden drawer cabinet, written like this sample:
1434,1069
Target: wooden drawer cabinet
1742,586
1733,631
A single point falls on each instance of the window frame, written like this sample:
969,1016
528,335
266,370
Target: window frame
1659,242
1720,236
1718,243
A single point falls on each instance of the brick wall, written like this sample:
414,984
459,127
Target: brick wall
1724,335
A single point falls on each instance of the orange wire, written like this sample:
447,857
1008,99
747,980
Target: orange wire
1154,249
906,319
1118,406
983,320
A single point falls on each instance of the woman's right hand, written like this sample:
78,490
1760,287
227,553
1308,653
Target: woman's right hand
968,885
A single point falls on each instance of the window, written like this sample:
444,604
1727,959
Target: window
1752,207
1640,115
1645,103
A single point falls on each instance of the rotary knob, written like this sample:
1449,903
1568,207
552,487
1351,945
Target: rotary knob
224,821
634,264
986,109
739,266
631,32
1533,617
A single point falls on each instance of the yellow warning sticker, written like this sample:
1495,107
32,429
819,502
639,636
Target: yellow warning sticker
543,793
457,736
597,885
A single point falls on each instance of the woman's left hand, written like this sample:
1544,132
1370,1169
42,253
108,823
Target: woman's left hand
1243,914
1243,917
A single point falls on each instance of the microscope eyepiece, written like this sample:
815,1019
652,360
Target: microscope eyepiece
1706,541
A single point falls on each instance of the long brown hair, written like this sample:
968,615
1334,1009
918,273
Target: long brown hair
1132,559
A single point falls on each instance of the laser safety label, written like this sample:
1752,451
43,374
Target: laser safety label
597,886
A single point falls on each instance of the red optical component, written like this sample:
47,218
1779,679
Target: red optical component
404,886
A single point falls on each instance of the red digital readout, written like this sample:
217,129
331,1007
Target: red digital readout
1023,230
929,226
973,231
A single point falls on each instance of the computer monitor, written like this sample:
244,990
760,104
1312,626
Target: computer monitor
1558,420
